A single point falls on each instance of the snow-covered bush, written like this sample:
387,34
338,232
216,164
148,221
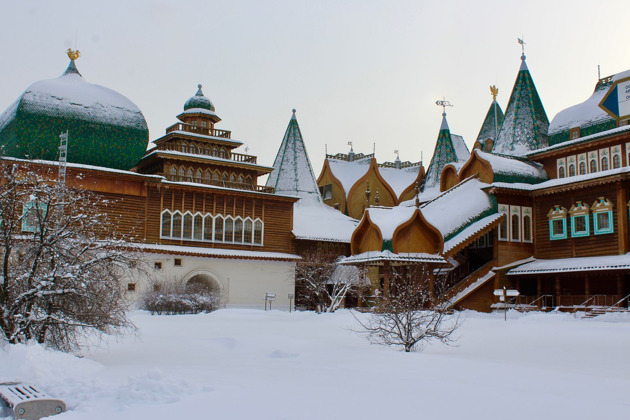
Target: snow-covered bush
176,298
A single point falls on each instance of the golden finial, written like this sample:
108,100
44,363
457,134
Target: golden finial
495,91
73,55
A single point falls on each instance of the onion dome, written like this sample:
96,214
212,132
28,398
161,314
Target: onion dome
104,127
199,101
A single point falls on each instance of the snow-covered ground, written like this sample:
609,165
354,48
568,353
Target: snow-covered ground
249,364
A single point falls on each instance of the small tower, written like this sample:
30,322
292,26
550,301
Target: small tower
491,124
444,151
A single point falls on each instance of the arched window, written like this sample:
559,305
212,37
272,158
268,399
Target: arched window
207,227
571,170
166,224
216,176
208,175
185,147
258,232
218,228
182,173
215,151
238,230
248,231
515,227
241,179
582,168
187,231
174,171
177,225
616,161
527,228
593,165
232,178
199,175
224,177
561,172
224,153
229,229
198,227
248,180
190,174
604,163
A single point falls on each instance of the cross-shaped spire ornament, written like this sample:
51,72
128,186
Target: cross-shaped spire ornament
520,41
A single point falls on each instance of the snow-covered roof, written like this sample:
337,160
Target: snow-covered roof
69,95
292,172
509,168
217,252
461,150
389,218
321,223
399,179
199,111
560,181
585,139
588,112
449,215
470,231
381,256
492,123
348,173
203,136
567,265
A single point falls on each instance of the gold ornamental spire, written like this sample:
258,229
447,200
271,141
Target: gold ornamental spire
73,55
495,91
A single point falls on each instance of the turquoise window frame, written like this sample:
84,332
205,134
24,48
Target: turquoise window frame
26,227
610,229
587,232
554,236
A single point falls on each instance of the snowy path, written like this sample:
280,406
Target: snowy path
245,364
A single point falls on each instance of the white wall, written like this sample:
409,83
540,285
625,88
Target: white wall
242,282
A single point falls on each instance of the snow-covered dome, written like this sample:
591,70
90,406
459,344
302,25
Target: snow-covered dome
105,128
199,101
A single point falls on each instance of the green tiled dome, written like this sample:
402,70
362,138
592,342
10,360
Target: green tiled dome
199,101
105,128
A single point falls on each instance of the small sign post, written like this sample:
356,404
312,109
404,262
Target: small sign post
503,295
290,302
269,297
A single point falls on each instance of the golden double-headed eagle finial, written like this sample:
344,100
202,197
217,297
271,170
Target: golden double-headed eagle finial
495,91
73,55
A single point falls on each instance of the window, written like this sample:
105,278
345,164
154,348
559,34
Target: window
208,175
515,223
580,224
157,265
241,179
248,180
604,159
229,229
185,147
224,177
190,174
182,173
604,163
326,191
503,227
615,153
238,230
527,224
177,225
198,227
33,214
232,178
561,165
166,224
199,175
173,170
602,216
574,133
131,287
572,169
258,232
248,231
593,167
216,176
582,168
187,231
177,262
207,227
616,161
218,228
592,161
557,223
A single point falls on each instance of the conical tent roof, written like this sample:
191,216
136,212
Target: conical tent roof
292,173
525,125
492,123
444,153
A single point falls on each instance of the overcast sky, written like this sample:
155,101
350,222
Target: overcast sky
361,71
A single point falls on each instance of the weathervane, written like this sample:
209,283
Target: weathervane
443,103
520,41
494,91
73,55
397,154
350,144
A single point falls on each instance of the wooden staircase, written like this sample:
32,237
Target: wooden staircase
466,282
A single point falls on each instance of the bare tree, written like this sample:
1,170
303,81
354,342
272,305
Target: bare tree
409,316
61,262
322,284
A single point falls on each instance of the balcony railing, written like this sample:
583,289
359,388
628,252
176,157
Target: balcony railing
224,184
209,151
206,131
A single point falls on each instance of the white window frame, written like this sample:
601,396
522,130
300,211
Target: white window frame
515,211
527,211
505,209
561,163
